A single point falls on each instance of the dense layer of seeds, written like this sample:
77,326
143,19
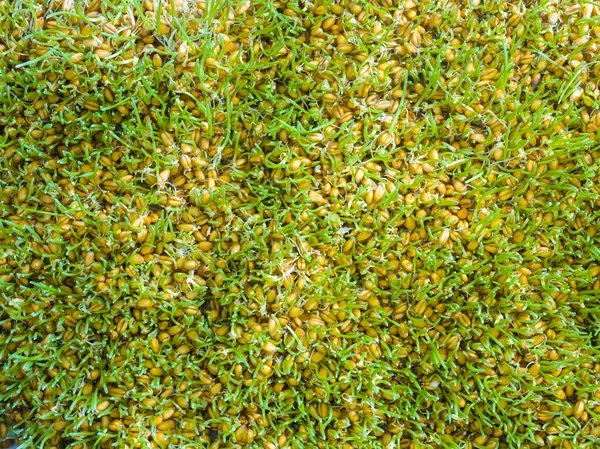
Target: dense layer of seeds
299,225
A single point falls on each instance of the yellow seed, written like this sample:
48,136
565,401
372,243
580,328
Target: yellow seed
363,235
505,195
144,303
76,57
345,48
91,105
576,95
316,197
168,140
295,164
379,192
295,312
156,372
545,416
478,137
534,369
498,154
382,105
60,425
311,304
184,349
102,406
122,326
481,440
89,258
190,265
385,138
535,105
538,339
212,62
407,265
420,307
102,53
360,173
269,347
117,392
348,246
452,342
542,251
444,236
166,425
489,74
373,166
